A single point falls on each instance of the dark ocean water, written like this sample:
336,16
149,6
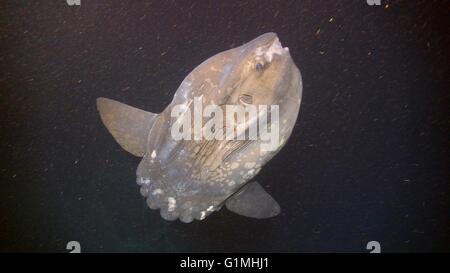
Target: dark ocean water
368,159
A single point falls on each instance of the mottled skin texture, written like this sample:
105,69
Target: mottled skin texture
189,179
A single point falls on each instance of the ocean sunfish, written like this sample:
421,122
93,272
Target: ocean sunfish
189,178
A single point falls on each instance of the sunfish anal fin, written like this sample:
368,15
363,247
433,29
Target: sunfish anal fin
128,125
253,201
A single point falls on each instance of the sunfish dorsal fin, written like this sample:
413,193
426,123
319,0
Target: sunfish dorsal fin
128,125
253,201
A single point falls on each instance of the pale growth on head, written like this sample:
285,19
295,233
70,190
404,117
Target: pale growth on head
275,48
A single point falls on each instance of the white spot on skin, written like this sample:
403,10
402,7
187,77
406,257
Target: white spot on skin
234,165
172,204
153,155
210,208
281,142
202,215
210,82
249,165
157,191
143,181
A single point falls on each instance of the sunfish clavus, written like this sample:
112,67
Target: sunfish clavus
191,178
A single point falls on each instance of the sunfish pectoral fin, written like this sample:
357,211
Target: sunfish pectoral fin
128,125
253,201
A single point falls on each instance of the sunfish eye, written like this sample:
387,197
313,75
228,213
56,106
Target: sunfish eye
259,66
246,99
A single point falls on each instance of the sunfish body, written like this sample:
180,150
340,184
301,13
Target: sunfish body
190,179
